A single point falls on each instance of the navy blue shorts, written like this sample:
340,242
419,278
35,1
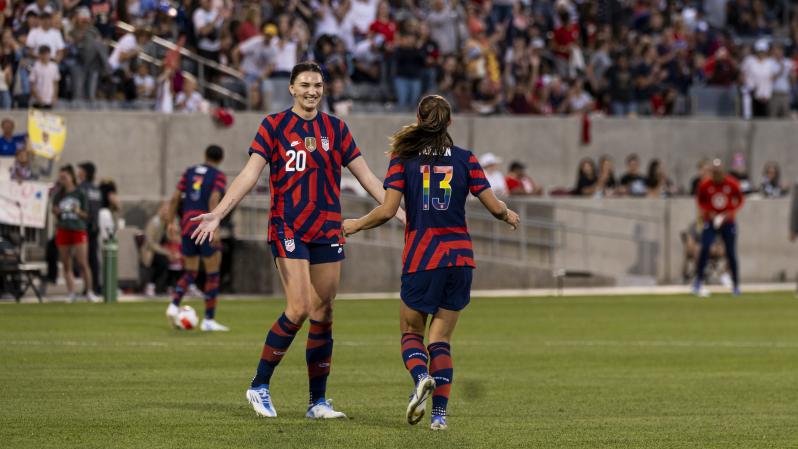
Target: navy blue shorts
191,249
315,253
444,288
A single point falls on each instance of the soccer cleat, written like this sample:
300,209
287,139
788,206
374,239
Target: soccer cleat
93,298
194,292
149,290
212,326
72,298
323,410
736,291
261,401
171,314
438,423
700,291
418,399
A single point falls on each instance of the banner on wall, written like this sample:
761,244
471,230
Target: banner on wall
26,201
46,133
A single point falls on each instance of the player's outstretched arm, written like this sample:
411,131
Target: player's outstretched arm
371,183
376,217
243,183
498,208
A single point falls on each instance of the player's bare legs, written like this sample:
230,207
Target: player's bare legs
295,278
324,278
211,290
65,254
412,324
81,253
440,366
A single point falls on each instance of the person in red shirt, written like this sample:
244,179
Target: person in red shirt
719,197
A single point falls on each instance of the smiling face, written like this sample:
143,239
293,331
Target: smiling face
307,90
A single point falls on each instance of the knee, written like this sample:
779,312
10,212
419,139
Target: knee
297,313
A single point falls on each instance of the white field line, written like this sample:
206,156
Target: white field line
675,344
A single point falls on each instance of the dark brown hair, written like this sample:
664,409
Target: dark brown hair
68,169
430,135
304,66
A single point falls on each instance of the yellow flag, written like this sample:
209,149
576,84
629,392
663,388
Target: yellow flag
46,133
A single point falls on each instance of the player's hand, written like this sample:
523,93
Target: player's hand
512,219
350,226
208,224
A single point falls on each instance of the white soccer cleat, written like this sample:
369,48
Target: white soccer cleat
418,400
261,401
700,291
72,298
438,423
194,292
171,314
93,298
323,410
212,326
149,290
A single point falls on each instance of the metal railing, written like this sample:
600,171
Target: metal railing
203,64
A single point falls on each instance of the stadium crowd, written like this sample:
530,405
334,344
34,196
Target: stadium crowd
502,56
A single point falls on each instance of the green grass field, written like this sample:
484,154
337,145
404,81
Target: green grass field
593,372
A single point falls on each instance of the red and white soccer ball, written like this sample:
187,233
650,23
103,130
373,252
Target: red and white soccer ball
186,318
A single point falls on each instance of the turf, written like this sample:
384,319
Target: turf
593,372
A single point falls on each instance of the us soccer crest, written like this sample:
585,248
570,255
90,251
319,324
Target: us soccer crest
325,144
310,143
289,245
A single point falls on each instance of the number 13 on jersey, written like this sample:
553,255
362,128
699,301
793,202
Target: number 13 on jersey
437,203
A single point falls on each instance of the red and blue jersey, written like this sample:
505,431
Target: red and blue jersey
305,159
435,192
197,184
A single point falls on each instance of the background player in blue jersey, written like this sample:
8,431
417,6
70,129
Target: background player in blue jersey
435,178
199,190
305,149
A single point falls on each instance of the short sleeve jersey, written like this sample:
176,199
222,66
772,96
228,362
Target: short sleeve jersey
197,184
305,159
435,193
68,204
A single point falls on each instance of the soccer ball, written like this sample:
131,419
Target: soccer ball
186,318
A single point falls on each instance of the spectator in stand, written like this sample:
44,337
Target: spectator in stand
703,171
188,99
8,62
103,12
409,61
251,25
39,7
586,178
208,21
90,57
11,143
432,58
286,50
648,75
720,69
442,21
782,85
384,25
621,87
338,102
579,101
360,16
632,182
44,79
519,183
255,58
144,82
657,182
367,59
739,171
11,54
23,170
493,172
126,51
47,36
771,186
759,72
607,175
565,42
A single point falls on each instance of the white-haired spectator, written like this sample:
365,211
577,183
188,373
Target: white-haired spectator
493,171
759,72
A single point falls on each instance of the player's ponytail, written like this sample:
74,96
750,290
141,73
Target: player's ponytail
430,135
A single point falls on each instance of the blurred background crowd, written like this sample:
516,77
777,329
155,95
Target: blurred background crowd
618,57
